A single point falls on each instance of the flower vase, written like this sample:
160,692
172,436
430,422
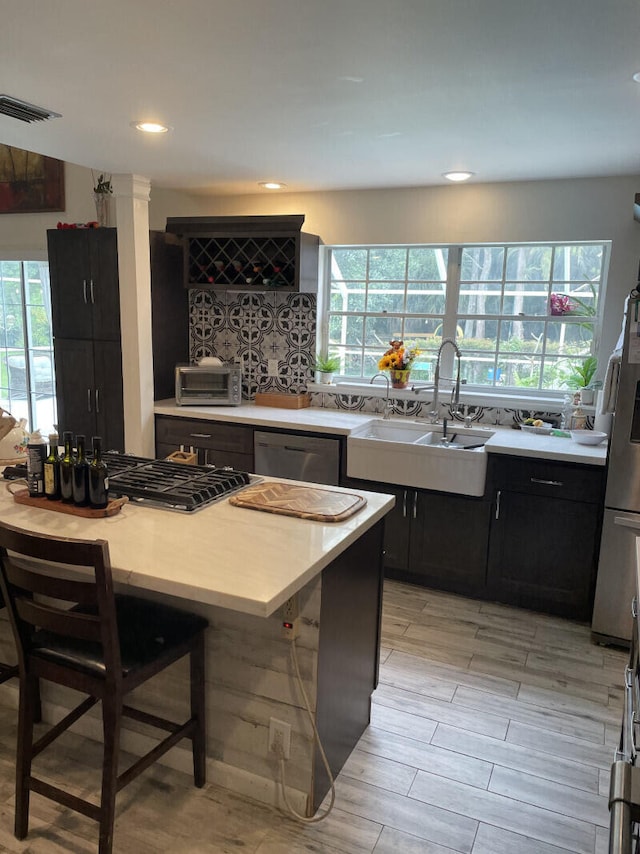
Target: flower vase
102,201
399,379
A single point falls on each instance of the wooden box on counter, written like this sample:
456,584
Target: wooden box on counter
283,400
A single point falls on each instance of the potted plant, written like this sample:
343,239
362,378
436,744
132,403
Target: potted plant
582,379
326,366
102,189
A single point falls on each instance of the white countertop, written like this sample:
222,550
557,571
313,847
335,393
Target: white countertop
245,560
505,440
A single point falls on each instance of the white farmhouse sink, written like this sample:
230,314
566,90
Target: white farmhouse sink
408,453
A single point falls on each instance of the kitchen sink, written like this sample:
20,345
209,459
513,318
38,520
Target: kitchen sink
410,453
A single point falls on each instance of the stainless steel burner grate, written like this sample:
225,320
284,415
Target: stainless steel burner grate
171,485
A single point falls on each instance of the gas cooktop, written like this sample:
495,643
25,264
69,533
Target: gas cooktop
170,485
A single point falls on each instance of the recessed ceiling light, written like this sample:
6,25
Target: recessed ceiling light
457,176
636,76
150,127
272,185
349,78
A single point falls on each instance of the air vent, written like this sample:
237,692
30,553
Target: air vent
24,112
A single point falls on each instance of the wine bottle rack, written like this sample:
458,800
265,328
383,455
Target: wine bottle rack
236,262
255,253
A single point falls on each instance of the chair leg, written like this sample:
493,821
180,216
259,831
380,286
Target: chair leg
28,696
37,703
198,711
111,722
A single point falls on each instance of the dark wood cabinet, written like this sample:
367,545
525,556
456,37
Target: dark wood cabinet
435,539
545,533
85,297
169,313
89,389
248,253
216,443
449,541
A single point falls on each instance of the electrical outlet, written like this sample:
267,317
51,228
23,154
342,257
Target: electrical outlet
290,608
279,738
290,619
272,367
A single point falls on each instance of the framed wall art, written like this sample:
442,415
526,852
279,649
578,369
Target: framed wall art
30,183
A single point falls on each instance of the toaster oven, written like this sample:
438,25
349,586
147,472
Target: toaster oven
208,385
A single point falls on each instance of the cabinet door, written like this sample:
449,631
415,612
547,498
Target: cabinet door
542,553
69,270
104,291
397,528
84,283
397,523
449,541
107,394
75,386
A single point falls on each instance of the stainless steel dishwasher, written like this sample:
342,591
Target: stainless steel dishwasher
310,458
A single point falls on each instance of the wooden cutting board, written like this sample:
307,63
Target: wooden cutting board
304,502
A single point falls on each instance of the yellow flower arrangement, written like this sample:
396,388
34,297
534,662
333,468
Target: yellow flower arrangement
398,357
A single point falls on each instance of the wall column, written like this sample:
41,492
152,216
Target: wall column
134,268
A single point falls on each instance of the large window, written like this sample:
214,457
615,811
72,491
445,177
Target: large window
27,388
523,316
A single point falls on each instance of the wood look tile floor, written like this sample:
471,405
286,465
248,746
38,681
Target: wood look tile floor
492,732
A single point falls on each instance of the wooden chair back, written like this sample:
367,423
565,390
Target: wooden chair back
30,564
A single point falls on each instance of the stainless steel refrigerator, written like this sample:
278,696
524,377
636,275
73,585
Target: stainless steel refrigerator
616,580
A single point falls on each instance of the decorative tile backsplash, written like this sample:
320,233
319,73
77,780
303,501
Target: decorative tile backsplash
253,328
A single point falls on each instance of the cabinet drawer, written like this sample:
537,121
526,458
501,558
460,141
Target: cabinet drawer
204,434
548,478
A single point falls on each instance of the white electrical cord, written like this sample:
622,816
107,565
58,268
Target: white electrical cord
316,818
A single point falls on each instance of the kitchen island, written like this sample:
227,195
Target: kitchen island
237,567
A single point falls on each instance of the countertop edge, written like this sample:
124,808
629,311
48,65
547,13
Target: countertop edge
336,422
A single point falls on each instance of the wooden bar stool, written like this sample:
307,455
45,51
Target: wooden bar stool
7,671
103,645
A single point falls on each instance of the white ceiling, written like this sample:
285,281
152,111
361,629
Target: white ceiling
328,94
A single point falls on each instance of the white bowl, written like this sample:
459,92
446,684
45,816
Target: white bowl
588,437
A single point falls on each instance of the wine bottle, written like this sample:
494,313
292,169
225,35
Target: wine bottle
80,474
36,454
98,477
66,468
52,470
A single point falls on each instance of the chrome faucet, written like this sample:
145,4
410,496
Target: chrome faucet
386,414
455,394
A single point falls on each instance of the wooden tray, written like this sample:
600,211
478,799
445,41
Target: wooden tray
283,400
304,502
113,507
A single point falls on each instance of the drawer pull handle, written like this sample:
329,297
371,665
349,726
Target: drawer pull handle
547,482
415,504
634,607
88,400
84,290
404,503
498,503
200,435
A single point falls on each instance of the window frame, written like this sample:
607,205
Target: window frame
452,316
23,402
